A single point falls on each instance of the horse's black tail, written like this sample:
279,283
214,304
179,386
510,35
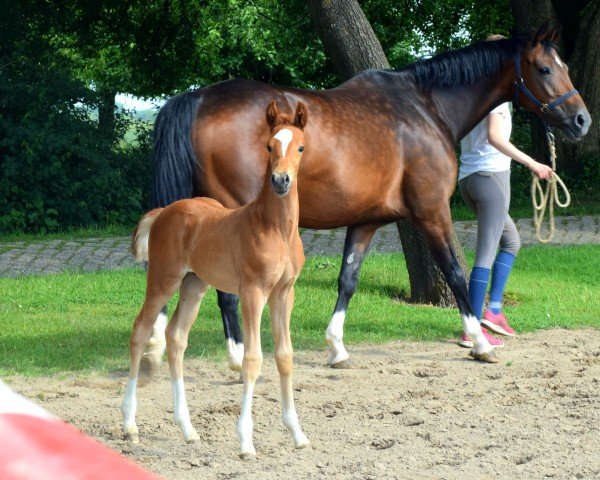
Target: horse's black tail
174,159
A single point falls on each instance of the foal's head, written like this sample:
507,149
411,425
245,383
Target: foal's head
285,146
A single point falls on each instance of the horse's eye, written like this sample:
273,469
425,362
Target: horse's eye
544,70
269,148
301,148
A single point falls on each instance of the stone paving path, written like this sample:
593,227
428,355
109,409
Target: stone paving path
91,254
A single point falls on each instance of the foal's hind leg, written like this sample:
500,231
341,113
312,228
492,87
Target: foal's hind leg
190,295
437,229
155,349
281,303
157,295
357,242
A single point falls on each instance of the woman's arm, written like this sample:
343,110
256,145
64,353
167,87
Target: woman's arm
497,141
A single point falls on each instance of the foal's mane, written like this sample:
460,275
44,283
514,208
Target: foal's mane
468,65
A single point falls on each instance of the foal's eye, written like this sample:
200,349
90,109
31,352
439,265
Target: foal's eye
544,70
301,148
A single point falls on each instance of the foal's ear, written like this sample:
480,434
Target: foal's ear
272,113
301,116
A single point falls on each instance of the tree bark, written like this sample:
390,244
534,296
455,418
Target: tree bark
580,40
352,45
106,112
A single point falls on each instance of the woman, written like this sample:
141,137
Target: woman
484,183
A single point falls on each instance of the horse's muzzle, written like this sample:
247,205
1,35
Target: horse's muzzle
281,183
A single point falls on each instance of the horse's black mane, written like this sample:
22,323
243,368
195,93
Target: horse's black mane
469,64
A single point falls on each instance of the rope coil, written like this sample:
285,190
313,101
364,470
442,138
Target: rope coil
543,200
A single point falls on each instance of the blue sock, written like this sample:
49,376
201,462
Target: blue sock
500,273
477,287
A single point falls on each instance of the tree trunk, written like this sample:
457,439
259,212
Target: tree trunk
580,39
353,47
106,112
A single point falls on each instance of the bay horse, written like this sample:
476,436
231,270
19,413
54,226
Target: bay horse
254,251
381,148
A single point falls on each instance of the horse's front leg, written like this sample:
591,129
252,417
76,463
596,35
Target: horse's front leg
356,244
281,303
228,304
253,302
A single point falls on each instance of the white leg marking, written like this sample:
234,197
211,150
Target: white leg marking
350,258
157,344
289,415
181,412
245,425
472,328
235,354
128,410
334,336
285,137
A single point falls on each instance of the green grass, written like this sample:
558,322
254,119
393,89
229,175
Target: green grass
81,322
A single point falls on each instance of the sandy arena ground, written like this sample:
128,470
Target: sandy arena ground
412,411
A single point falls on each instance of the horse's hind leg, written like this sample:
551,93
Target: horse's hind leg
228,304
155,348
281,303
437,228
190,295
356,244
157,295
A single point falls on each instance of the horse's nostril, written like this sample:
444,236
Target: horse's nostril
580,120
286,179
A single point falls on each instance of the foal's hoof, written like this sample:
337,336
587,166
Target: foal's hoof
303,444
132,437
347,364
149,365
487,357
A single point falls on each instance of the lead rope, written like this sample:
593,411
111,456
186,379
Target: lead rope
542,200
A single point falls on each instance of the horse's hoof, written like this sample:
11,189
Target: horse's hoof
347,364
487,357
248,455
301,445
149,365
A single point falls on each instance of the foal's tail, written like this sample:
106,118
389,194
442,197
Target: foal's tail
141,234
174,160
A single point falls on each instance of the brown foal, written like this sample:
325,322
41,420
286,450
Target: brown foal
254,251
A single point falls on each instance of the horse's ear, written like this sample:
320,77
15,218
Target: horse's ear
543,33
272,113
301,116
555,34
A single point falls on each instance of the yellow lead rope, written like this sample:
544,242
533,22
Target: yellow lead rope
545,200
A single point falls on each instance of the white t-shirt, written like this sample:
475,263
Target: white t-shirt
477,155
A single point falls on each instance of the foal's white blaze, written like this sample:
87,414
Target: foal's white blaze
181,412
285,137
334,336
235,354
128,408
472,328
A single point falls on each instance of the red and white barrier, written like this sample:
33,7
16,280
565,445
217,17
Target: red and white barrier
35,445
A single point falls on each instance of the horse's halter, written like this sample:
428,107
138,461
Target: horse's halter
521,87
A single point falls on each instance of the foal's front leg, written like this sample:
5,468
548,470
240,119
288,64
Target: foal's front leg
281,303
253,302
190,295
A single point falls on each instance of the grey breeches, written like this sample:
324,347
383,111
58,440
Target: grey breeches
488,195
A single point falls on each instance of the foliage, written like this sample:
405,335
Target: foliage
66,323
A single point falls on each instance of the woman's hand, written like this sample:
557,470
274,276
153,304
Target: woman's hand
543,172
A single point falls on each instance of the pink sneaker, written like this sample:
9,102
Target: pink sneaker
497,323
467,343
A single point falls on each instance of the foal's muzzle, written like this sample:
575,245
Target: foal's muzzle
281,183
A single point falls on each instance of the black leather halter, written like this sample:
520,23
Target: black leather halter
522,88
